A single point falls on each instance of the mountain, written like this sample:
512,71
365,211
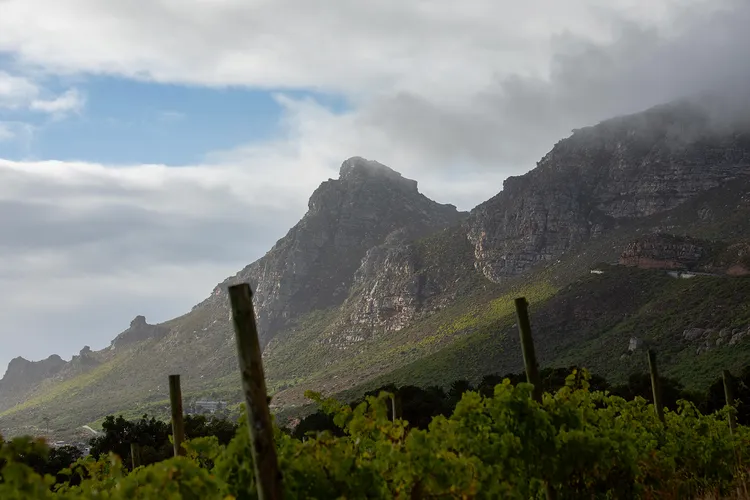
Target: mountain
378,283
313,266
601,177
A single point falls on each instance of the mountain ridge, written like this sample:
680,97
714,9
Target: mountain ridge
376,276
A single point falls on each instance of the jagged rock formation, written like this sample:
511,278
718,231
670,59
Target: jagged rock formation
313,266
84,361
23,374
622,169
139,330
663,251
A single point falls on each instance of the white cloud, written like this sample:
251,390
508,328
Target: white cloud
69,101
21,93
347,46
15,91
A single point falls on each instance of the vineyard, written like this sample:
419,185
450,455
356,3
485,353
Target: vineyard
516,443
583,444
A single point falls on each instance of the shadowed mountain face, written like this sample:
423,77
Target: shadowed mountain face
376,277
313,266
622,169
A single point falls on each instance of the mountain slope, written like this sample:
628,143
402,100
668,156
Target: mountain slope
378,282
623,169
311,269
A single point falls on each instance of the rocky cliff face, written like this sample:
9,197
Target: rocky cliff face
663,251
622,169
402,280
666,251
313,266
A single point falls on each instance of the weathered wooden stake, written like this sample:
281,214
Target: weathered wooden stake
527,347
267,474
729,397
178,424
135,455
530,363
393,407
655,385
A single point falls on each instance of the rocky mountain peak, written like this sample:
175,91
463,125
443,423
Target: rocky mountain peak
24,373
139,330
357,169
361,183
138,322
313,266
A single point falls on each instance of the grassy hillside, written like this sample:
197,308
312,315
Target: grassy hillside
591,322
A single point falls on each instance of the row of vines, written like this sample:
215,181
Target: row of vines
581,443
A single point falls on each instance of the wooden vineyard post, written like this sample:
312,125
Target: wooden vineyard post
729,397
178,424
527,347
530,363
135,455
265,462
655,385
730,401
393,407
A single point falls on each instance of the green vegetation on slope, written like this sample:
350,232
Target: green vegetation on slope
576,443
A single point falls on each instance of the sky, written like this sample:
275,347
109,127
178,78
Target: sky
148,150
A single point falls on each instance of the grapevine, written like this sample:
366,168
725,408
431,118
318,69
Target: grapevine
584,443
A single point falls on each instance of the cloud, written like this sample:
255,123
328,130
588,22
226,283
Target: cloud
15,91
69,101
19,93
351,47
6,132
514,120
16,136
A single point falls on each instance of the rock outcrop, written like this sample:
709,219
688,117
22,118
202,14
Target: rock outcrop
138,331
314,265
663,251
622,169
84,361
23,374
